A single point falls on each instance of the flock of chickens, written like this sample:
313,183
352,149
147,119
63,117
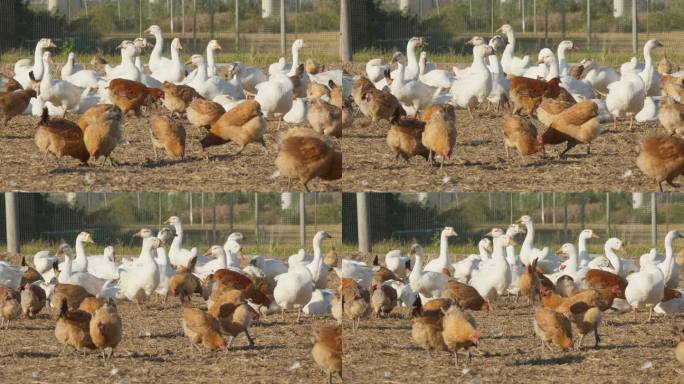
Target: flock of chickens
568,102
83,289
572,295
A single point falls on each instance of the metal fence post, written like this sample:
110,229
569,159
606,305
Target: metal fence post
654,219
256,217
582,206
192,217
213,217
589,25
362,222
345,33
11,223
635,28
282,27
237,25
302,219
565,214
194,24
543,217
607,214
546,23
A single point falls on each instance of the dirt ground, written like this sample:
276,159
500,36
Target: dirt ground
479,162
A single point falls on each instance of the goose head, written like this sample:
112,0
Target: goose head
674,234
652,44
399,58
546,56
153,242
567,45
513,229
196,60
46,43
483,50
506,28
589,234
214,46
153,30
165,234
416,250
236,237
85,237
475,41
298,44
497,42
123,44
47,58
174,220
495,232
71,57
485,244
587,63
176,44
322,235
216,251
524,220
416,41
65,250
449,231
566,250
142,43
614,244
143,233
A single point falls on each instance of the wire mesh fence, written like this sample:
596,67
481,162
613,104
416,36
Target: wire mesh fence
639,219
267,220
604,26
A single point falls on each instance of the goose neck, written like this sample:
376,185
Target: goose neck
614,259
158,44
47,74
80,252
211,63
417,267
411,55
499,250
668,247
66,271
529,236
494,61
295,57
553,68
421,66
444,248
479,60
38,64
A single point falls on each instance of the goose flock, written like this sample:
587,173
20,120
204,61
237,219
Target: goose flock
565,101
238,289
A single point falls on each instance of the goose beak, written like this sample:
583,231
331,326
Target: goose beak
147,31
207,253
218,46
499,30
52,45
189,62
180,46
594,236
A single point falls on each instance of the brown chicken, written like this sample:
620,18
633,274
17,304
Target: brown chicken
405,138
233,314
460,332
383,300
679,350
298,82
14,103
8,84
131,95
662,158
202,328
317,90
550,108
184,284
527,94
552,327
32,300
582,309
167,134
565,286
327,350
436,307
73,294
102,136
331,258
202,113
305,155
73,328
599,279
231,279
426,331
355,300
382,105
359,90
381,274
578,124
324,117
106,329
528,283
177,98
312,67
93,114
91,304
466,296
243,124
60,137
30,275
337,99
521,134
10,307
671,116
439,135
669,294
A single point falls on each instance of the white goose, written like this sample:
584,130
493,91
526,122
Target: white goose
463,72
298,113
579,89
375,70
166,270
649,75
427,283
270,267
645,288
493,277
141,278
68,276
562,51
208,87
599,76
649,112
127,69
436,78
444,258
500,84
178,255
571,267
282,67
212,47
24,66
395,261
58,92
43,261
250,76
104,266
233,249
626,97
319,271
299,258
359,271
545,260
412,93
411,69
294,289
517,269
220,261
76,75
471,90
320,303
157,61
275,95
667,263
583,254
512,65
611,262
80,264
175,71
463,269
